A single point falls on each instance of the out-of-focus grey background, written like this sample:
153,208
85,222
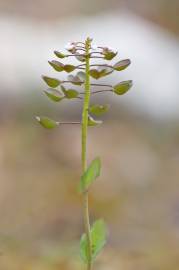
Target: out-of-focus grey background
138,191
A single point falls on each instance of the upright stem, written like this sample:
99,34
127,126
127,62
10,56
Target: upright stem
84,129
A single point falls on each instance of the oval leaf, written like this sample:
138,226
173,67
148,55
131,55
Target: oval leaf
54,95
121,65
69,68
56,65
92,122
90,175
47,122
99,109
98,240
59,54
52,82
122,88
98,237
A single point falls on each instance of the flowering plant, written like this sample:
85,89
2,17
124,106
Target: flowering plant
94,238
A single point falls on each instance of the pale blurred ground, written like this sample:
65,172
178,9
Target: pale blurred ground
138,191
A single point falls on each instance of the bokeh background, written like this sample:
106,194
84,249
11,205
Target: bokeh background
138,191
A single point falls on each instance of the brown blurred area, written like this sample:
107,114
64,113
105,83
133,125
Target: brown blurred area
138,191
163,12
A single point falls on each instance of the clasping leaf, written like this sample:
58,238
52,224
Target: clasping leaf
98,240
90,175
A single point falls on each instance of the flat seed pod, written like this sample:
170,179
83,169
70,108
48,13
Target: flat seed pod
94,73
54,94
81,75
70,93
69,68
57,65
47,122
59,54
52,82
80,58
105,71
121,65
102,71
122,87
92,122
99,109
109,55
75,80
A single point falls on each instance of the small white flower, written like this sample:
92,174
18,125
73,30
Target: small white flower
69,46
94,46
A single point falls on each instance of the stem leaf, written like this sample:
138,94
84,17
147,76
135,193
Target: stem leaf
98,240
90,175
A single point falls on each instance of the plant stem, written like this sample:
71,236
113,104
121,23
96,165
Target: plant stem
84,129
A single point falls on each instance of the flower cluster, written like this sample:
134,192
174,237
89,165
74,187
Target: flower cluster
59,89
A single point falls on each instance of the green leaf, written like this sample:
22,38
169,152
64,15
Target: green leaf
99,109
122,87
121,65
84,248
90,175
98,237
98,240
54,94
52,82
47,122
59,54
70,93
92,122
56,65
69,68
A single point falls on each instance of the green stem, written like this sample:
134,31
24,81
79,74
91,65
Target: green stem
84,129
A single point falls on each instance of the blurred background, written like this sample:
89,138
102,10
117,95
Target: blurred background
138,191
